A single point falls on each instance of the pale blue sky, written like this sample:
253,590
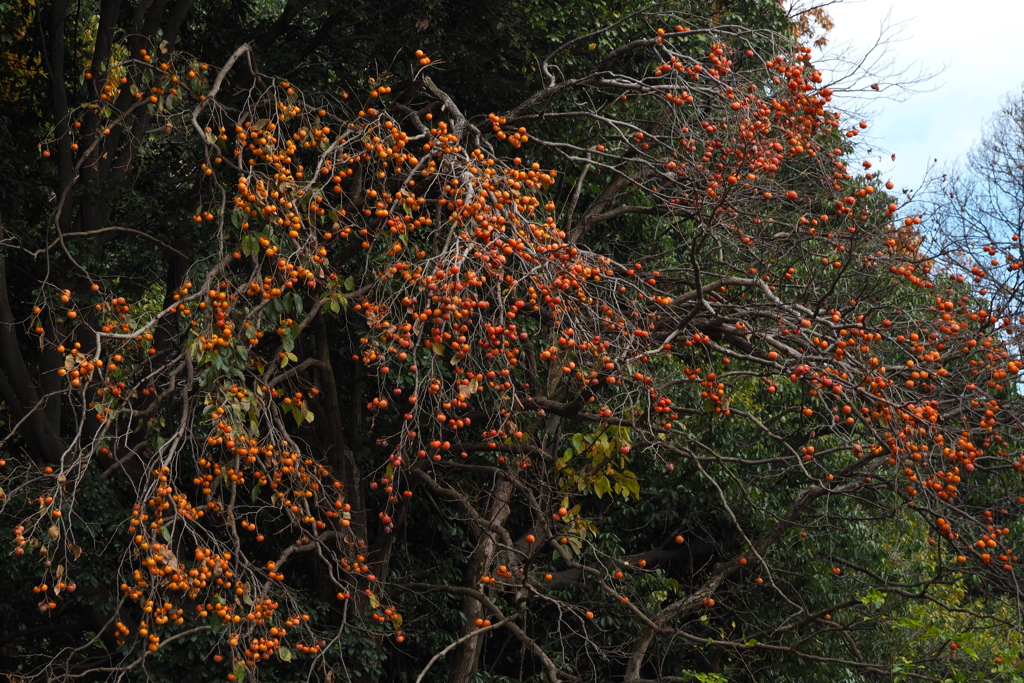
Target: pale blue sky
979,49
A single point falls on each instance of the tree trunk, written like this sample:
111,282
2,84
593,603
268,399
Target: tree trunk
339,456
465,659
18,390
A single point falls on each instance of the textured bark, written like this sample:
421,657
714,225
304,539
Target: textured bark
465,659
332,432
18,390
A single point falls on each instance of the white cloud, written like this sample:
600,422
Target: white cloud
977,44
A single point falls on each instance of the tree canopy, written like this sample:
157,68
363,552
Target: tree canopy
416,341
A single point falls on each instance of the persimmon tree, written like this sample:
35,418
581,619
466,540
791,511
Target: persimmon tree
635,379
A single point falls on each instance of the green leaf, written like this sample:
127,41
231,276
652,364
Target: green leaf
285,654
250,244
874,598
710,678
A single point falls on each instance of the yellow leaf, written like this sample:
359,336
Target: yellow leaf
467,390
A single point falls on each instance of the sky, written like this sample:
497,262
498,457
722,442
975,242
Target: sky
974,48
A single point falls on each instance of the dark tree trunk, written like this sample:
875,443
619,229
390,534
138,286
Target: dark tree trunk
465,659
18,390
332,431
